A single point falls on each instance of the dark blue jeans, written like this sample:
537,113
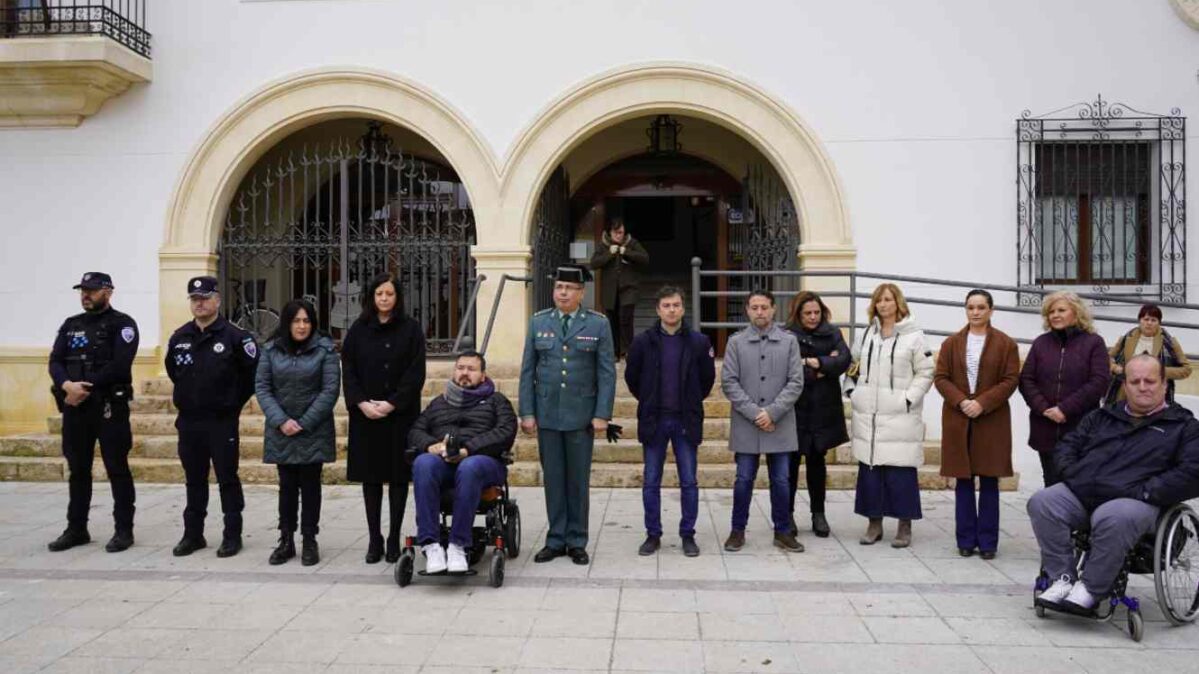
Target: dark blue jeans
670,429
469,477
978,527
780,490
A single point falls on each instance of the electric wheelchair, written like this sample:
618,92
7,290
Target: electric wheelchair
501,530
1170,554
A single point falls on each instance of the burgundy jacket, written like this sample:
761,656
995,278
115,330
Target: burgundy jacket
1067,369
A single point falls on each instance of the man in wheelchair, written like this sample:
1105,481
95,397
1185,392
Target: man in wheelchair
1123,463
462,441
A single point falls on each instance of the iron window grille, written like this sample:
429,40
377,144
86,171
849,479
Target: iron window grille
1100,200
121,20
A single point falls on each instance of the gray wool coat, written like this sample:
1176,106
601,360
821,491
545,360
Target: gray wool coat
762,373
302,386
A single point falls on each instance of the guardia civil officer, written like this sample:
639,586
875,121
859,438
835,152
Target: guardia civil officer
567,388
91,365
212,364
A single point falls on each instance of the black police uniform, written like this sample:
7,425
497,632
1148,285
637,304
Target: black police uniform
98,348
213,372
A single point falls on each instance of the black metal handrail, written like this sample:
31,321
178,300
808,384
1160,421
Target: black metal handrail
121,20
852,277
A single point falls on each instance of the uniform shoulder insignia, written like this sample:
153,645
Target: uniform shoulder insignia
543,312
593,312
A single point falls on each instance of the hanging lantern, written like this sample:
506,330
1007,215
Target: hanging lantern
663,135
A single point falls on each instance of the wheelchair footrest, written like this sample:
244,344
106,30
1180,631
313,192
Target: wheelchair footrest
468,572
1069,609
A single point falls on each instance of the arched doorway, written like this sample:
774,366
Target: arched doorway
696,190
335,204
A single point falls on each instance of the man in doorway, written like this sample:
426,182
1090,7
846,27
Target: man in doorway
620,260
670,371
92,368
212,364
567,389
762,377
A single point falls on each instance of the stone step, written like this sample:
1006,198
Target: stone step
627,451
521,474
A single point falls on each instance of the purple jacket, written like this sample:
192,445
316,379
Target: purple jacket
1064,369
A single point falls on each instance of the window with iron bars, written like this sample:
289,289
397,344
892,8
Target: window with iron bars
1101,201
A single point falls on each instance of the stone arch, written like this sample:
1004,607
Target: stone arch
692,90
231,147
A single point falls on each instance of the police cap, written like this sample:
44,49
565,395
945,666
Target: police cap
202,286
94,280
572,273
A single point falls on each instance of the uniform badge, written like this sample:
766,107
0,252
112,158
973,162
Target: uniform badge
87,277
128,334
250,347
219,347
196,283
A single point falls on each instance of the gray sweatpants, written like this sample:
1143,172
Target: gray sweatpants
1115,527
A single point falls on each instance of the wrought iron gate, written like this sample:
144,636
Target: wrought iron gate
321,223
1100,201
763,232
552,236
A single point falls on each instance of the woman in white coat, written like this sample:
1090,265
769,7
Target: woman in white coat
894,372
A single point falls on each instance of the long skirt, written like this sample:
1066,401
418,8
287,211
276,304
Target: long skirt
888,491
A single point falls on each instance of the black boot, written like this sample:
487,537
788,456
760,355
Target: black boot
374,550
393,548
231,545
311,554
820,525
286,549
69,539
120,541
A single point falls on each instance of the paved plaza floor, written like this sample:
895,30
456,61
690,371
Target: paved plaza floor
839,606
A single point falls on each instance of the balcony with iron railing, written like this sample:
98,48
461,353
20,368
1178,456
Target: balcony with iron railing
60,60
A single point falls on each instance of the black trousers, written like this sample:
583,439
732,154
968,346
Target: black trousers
397,500
816,479
215,442
621,320
1049,469
300,486
82,427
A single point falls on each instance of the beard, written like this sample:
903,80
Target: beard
464,382
95,307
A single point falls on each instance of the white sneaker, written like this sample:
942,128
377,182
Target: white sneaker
434,558
1079,596
457,559
1060,589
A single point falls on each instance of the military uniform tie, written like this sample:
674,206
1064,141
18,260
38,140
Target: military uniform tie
565,323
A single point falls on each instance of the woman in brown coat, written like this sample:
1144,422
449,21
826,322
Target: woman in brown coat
977,371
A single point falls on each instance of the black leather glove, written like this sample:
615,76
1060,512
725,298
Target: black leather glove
614,432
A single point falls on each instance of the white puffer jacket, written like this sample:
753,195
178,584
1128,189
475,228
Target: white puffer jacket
894,374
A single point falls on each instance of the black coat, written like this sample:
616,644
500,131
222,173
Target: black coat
382,361
643,374
820,411
486,427
1109,457
213,370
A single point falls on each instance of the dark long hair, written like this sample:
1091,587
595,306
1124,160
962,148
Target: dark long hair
803,298
369,310
290,310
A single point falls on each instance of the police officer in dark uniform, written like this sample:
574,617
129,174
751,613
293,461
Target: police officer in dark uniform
212,364
92,368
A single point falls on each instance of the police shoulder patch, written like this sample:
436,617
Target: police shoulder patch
250,347
127,334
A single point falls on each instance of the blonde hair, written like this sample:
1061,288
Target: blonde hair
901,305
1083,313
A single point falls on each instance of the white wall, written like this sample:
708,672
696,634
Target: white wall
915,103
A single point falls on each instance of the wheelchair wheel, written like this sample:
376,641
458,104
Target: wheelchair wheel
512,530
1136,626
1176,564
495,575
405,567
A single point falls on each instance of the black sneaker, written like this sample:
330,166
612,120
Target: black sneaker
69,539
230,545
120,541
188,545
650,546
690,547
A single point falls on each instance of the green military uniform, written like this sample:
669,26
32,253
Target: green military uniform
566,380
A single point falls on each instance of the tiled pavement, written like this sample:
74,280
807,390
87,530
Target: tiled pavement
837,607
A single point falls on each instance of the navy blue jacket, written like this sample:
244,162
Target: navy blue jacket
1108,457
643,372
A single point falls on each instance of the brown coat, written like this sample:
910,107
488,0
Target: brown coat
980,446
